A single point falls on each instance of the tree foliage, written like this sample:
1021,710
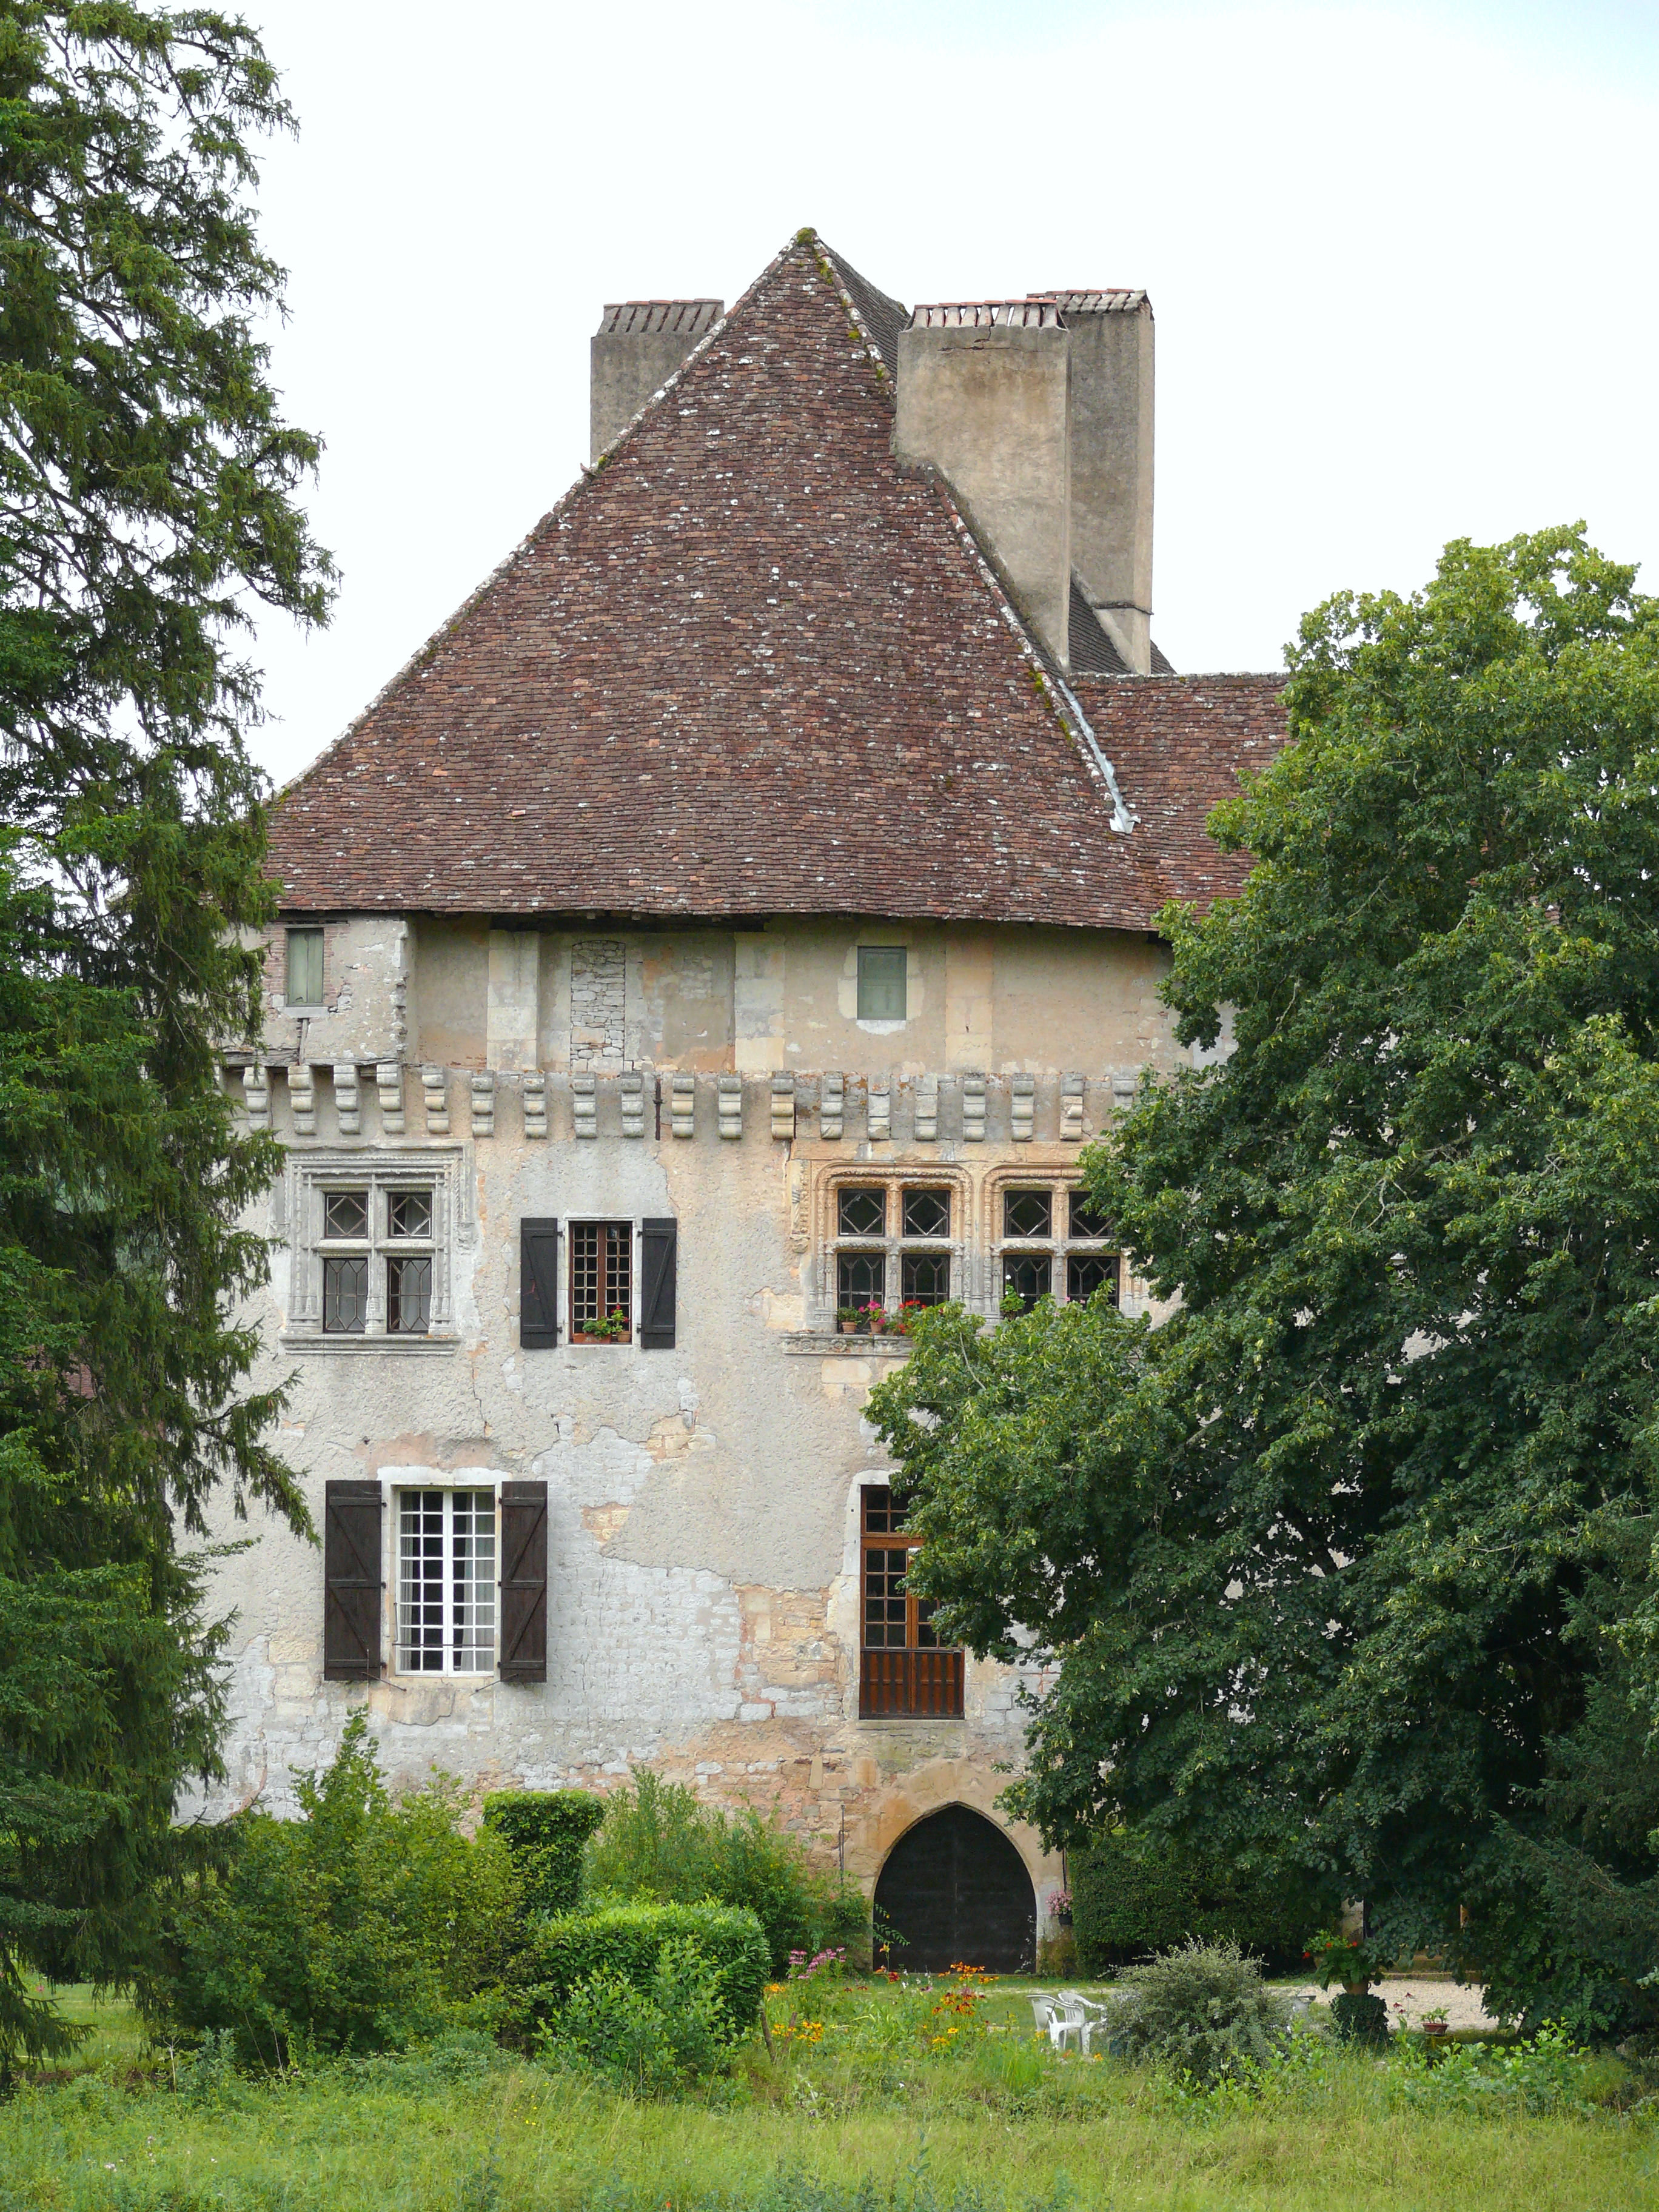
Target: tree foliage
147,487
1354,1553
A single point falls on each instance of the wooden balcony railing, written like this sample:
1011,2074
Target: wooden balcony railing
910,1685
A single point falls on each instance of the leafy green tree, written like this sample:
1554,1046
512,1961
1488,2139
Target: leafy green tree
147,503
1352,1555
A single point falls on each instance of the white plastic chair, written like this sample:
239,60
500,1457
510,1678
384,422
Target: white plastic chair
1089,2019
1045,2011
1072,2019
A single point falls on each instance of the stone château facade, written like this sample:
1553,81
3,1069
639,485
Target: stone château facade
743,909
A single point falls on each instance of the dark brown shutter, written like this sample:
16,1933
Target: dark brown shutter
539,1284
524,1581
351,1582
659,1253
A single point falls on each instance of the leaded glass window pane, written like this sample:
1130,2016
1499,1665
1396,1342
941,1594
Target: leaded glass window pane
409,1214
408,1297
345,1296
863,1213
860,1278
1027,1213
345,1214
927,1278
1085,1272
1084,1219
1027,1275
927,1213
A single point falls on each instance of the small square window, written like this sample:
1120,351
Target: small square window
863,1213
1027,1213
409,1214
408,1297
926,1277
927,1213
1027,1276
345,1297
304,968
1086,1272
860,1278
345,1214
1083,1218
882,970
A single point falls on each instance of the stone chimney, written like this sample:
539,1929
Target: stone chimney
1111,335
1039,414
984,395
636,348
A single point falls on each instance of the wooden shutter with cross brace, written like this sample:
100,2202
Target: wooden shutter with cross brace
539,1284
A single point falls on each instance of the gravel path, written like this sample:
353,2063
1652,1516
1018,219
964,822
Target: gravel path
1412,1997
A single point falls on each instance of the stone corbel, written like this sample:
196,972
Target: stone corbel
436,1096
1071,1108
535,1104
483,1103
783,1108
256,1096
633,1105
832,1106
347,1106
730,1101
926,1110
1022,1108
585,1104
682,1106
973,1109
389,1082
303,1095
880,1096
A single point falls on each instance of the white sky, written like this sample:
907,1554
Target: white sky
1401,260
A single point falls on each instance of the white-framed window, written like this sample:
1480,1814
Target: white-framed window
371,1238
446,1571
894,1240
1050,1242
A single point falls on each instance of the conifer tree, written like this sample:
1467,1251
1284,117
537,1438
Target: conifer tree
146,500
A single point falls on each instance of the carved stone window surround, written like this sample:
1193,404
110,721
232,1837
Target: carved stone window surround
308,1176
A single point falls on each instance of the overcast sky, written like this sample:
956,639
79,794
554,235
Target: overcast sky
1401,261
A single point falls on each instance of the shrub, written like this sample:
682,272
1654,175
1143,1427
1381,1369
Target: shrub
546,1831
1204,2010
1127,1900
625,1942
654,2040
355,1928
659,1841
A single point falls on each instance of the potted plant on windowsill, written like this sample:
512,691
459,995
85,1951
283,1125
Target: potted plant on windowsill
872,1318
849,1319
605,1328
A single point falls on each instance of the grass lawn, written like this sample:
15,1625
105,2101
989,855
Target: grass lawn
988,2117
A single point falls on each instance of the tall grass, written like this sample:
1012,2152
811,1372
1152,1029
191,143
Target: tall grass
459,2128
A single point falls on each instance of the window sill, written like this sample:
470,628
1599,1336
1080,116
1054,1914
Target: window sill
397,1346
830,1344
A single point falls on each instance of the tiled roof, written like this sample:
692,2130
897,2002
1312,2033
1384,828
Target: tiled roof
1178,743
748,666
1116,299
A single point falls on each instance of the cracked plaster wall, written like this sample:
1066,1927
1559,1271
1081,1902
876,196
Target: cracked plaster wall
703,1595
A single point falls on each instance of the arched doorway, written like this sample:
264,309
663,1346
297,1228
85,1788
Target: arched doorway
957,1890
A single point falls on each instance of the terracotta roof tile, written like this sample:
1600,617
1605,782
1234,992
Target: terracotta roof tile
1178,743
749,666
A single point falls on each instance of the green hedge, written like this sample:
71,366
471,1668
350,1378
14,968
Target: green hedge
546,1831
626,1940
1128,1901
